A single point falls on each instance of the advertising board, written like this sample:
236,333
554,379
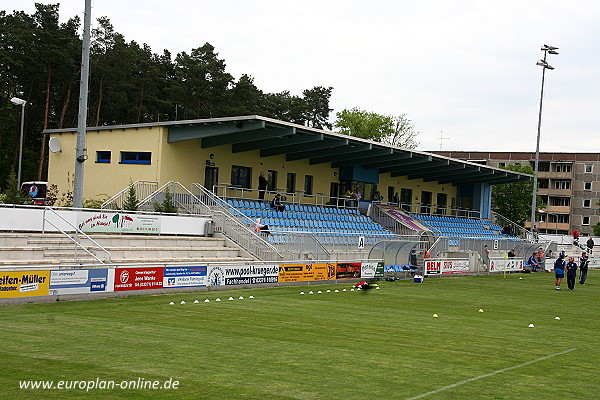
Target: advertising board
184,276
97,222
24,283
347,270
138,278
78,281
306,272
371,270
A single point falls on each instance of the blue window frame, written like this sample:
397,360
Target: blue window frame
135,157
103,157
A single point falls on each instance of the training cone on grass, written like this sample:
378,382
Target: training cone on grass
344,290
241,298
319,291
311,292
301,292
435,316
336,291
251,297
531,326
182,302
207,301
520,277
557,318
231,298
171,303
218,299
377,287
481,310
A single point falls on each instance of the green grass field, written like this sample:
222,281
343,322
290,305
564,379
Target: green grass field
383,344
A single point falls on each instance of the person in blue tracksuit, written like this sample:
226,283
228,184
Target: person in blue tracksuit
571,273
533,261
559,270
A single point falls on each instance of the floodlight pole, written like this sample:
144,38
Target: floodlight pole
545,66
80,149
21,145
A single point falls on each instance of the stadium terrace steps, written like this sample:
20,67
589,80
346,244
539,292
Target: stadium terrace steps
41,249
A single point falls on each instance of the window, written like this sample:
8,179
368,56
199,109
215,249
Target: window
135,157
442,201
272,185
560,201
240,176
502,165
542,166
103,156
587,186
589,168
543,183
290,186
562,185
425,202
585,220
561,218
587,203
562,167
308,184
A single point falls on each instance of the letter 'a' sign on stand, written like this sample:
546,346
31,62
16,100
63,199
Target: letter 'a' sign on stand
361,242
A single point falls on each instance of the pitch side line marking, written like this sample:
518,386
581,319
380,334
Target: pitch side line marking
490,374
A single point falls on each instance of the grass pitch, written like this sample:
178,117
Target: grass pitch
383,344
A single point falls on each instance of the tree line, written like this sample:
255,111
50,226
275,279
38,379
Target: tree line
40,60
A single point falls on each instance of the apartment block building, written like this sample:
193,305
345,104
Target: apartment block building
569,183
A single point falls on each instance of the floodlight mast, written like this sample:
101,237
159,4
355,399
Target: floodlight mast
20,102
80,148
542,63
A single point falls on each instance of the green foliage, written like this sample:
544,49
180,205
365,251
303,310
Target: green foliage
131,201
13,195
40,61
394,130
167,205
94,203
597,229
513,200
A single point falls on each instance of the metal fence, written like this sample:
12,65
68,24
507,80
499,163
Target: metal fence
143,189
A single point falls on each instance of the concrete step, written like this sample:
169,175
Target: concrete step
62,262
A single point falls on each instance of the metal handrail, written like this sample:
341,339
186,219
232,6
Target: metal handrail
76,230
230,222
501,220
119,198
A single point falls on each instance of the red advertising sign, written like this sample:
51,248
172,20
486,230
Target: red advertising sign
432,267
138,278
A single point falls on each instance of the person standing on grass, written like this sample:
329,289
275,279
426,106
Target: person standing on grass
559,270
571,273
583,268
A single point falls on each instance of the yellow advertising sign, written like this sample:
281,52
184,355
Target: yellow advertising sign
306,272
24,283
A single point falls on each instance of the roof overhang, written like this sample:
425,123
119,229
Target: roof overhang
296,142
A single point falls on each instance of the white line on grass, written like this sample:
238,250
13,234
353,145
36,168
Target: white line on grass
490,374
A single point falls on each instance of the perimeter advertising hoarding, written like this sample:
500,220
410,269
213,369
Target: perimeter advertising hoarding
24,283
78,281
371,270
185,276
118,222
306,272
138,278
446,267
242,274
347,270
511,265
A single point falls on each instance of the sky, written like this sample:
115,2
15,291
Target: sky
463,70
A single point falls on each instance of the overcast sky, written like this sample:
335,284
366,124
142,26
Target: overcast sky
463,67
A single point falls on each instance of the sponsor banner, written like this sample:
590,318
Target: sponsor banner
498,265
306,272
24,283
347,270
184,276
118,222
371,270
251,274
78,281
400,268
594,262
216,276
138,278
444,267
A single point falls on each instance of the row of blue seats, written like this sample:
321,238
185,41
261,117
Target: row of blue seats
326,240
445,223
256,213
315,224
339,232
264,205
443,218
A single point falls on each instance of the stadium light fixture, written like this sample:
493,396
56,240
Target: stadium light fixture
20,102
542,63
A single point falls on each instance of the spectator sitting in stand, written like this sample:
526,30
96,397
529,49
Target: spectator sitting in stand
276,203
511,253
